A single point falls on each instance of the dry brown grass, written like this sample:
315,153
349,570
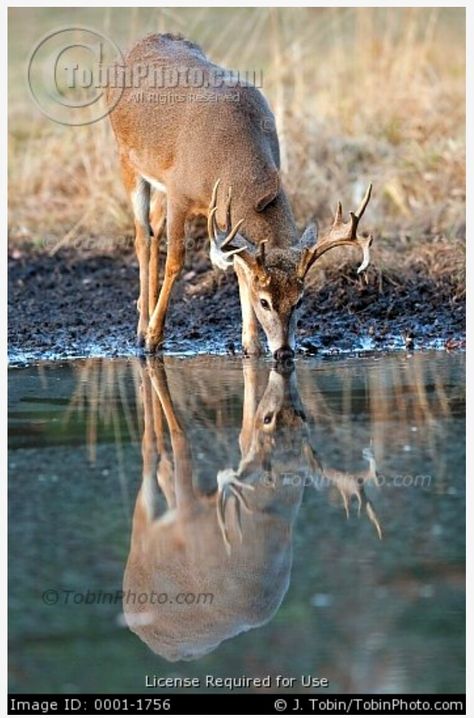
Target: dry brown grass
359,94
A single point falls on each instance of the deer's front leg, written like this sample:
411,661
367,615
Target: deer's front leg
139,191
157,220
250,340
176,216
142,247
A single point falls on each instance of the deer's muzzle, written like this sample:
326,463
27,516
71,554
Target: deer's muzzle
284,353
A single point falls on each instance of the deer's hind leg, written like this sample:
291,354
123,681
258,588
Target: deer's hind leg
157,220
175,217
139,191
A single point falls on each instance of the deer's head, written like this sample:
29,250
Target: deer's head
274,277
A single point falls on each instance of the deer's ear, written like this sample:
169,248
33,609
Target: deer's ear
251,269
267,191
307,246
246,264
309,237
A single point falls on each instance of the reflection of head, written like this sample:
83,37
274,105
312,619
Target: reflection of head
279,432
190,582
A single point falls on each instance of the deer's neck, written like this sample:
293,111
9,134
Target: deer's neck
275,224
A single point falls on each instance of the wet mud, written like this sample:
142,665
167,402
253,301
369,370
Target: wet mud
79,304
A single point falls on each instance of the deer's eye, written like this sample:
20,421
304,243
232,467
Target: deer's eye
268,419
264,304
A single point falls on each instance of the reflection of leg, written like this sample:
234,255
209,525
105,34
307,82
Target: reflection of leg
174,263
164,472
249,407
183,472
250,342
150,493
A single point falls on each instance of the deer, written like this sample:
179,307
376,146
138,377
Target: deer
176,147
230,547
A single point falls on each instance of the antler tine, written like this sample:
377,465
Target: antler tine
212,227
212,223
213,201
355,217
228,214
232,234
364,202
373,518
364,243
338,215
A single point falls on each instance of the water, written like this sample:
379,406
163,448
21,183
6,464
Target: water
124,476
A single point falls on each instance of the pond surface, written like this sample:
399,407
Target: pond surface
210,516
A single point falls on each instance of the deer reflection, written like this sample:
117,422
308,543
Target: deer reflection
229,551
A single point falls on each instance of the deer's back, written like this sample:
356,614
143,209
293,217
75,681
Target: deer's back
188,135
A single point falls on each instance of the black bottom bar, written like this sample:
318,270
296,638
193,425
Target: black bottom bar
237,703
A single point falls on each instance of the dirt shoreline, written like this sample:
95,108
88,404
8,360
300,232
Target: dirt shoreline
80,304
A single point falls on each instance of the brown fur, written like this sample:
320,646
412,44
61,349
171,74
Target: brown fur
172,136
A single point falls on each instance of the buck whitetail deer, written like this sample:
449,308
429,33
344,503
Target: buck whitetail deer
230,548
180,141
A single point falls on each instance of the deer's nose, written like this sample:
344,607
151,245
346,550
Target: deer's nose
284,354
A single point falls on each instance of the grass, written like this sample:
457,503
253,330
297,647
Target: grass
359,94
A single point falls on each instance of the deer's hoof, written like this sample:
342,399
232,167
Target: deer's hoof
153,345
252,349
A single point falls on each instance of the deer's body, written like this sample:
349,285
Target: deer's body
179,140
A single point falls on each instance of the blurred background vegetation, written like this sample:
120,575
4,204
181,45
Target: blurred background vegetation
359,94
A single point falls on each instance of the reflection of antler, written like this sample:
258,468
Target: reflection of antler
229,485
353,485
262,436
228,481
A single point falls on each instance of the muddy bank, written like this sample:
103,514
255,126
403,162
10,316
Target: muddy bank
84,304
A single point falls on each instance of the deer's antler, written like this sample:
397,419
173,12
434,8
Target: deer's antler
222,249
341,233
228,242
